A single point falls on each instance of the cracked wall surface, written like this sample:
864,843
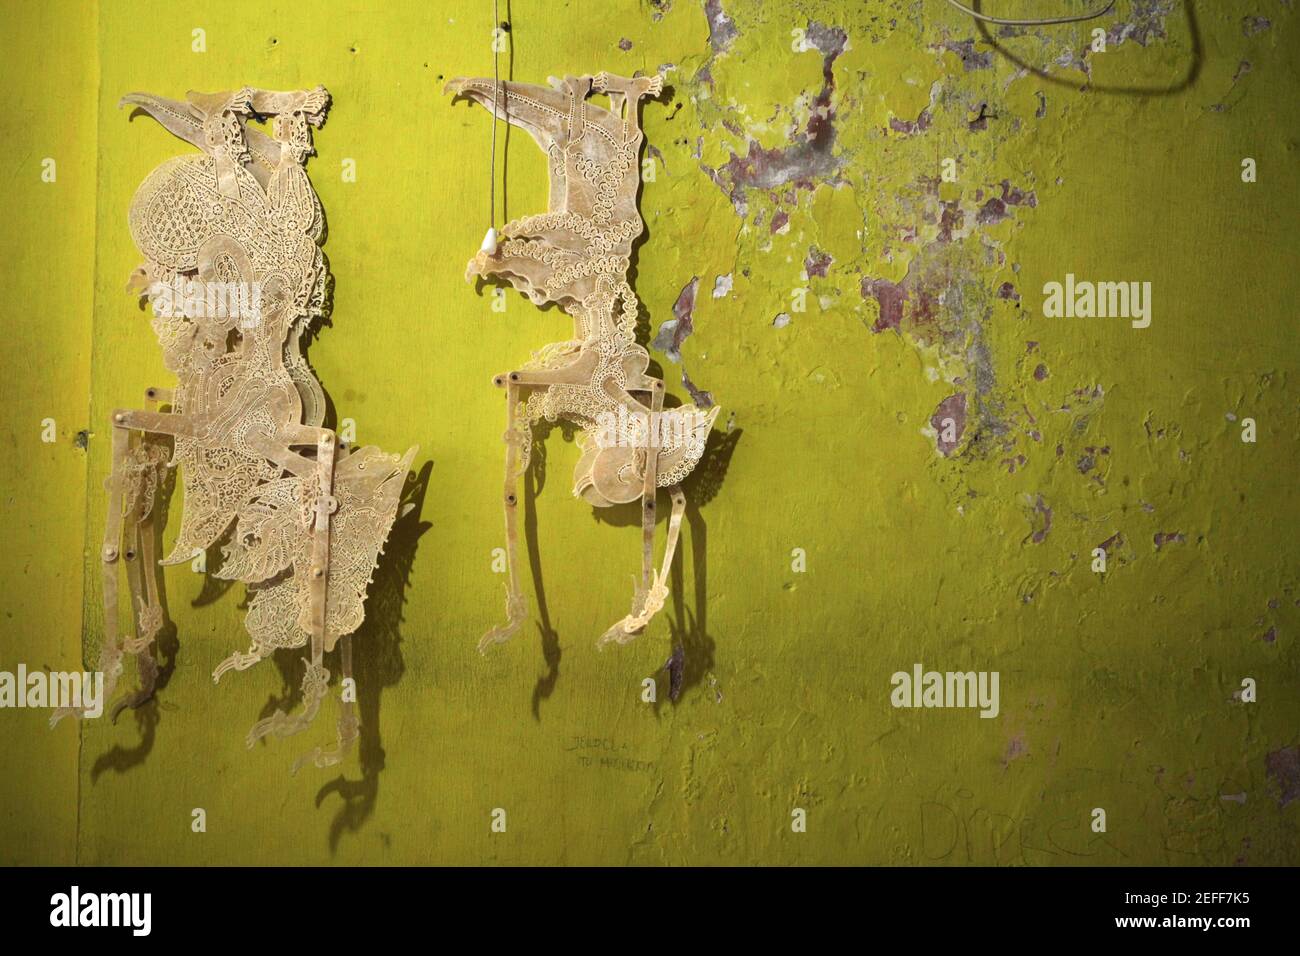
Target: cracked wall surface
852,212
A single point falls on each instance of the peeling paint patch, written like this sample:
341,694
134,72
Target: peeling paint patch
817,263
1146,23
1162,538
676,668
1090,458
941,301
673,332
890,296
722,286
953,407
701,398
996,209
1283,766
625,44
1014,196
951,219
1041,510
653,152
1269,636
1250,26
810,156
911,127
966,52
722,29
781,321
992,212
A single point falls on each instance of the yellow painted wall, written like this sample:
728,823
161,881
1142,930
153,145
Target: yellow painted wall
1116,689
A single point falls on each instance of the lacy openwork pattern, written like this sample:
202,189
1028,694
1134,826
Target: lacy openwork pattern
234,273
577,254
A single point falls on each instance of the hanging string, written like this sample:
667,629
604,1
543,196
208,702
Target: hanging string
490,239
1048,21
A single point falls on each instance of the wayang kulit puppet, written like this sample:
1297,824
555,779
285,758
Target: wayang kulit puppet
577,255
235,275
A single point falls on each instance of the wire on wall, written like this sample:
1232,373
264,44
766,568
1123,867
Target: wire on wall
1046,21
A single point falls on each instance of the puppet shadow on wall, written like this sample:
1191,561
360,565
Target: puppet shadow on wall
380,664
